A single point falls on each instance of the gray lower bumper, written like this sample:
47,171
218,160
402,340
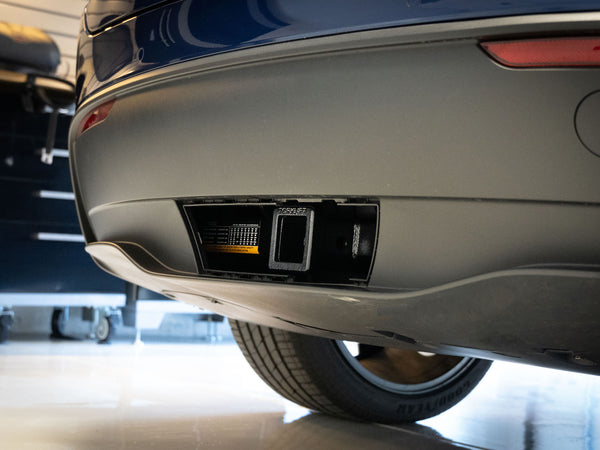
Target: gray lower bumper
541,316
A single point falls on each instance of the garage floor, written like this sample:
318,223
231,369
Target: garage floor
82,395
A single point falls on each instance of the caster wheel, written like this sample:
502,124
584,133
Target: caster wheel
57,324
104,330
5,324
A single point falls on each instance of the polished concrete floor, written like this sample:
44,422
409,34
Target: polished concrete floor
79,395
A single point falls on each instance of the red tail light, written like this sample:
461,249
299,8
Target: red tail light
96,116
557,52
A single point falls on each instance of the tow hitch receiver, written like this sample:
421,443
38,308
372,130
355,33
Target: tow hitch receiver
291,239
324,242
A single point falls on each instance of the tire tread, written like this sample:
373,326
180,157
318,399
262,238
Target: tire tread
270,353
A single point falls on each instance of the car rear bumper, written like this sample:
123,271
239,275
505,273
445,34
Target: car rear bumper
475,169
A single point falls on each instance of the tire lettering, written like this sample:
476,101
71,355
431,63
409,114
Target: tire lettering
409,409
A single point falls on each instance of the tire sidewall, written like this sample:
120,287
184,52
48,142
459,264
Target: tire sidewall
324,361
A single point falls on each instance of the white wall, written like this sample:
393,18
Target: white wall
59,18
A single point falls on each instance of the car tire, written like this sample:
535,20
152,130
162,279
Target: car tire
319,374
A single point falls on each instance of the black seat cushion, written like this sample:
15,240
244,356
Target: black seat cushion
27,48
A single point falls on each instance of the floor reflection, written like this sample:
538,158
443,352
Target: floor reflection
83,396
318,431
251,431
518,406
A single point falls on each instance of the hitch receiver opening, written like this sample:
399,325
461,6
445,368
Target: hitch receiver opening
291,239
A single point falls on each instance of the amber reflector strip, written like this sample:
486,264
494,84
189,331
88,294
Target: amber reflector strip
558,52
96,116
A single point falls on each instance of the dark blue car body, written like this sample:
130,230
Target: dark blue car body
122,39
